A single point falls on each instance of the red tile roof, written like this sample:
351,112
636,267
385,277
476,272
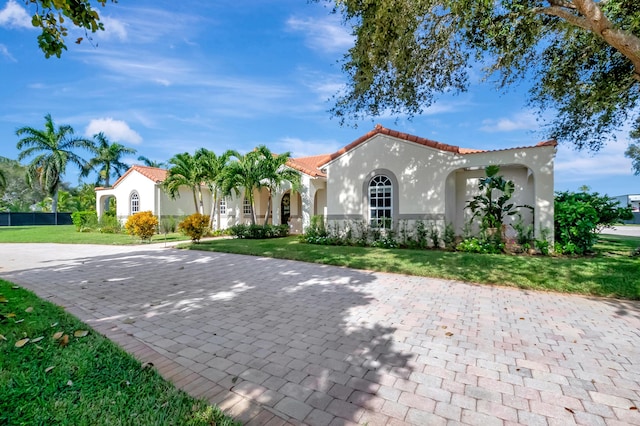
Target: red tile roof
155,174
312,165
309,165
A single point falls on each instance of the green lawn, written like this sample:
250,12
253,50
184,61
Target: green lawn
67,234
612,272
87,381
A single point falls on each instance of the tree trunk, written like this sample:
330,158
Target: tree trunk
195,199
54,202
266,216
214,204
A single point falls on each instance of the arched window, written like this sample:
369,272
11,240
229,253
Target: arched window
134,203
380,202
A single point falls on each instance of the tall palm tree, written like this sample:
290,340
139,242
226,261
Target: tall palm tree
53,150
212,167
185,171
275,174
244,173
152,163
106,160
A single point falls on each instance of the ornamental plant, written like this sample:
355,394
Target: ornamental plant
493,204
195,226
142,224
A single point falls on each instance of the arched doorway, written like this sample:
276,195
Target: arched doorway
285,208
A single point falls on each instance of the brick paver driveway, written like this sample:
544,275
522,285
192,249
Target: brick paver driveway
275,341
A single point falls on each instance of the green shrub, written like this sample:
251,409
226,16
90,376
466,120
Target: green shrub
579,217
477,245
168,224
84,220
195,226
109,225
258,232
142,224
449,237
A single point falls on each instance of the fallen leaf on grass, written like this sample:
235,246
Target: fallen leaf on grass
64,341
37,339
54,324
29,309
15,287
3,299
10,315
80,333
46,370
69,383
19,321
20,343
58,335
2,337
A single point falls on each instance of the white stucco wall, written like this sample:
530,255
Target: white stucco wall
431,184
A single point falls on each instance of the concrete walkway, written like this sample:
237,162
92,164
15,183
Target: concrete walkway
274,342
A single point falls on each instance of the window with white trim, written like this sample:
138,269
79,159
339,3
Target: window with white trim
134,203
223,206
246,207
380,202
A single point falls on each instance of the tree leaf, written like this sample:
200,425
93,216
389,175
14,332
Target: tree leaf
80,333
37,339
10,315
2,337
54,324
3,299
20,343
29,309
64,341
46,370
57,335
69,383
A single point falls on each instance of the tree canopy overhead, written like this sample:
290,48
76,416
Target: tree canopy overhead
583,56
51,17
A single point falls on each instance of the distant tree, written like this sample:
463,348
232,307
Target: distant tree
18,195
51,16
3,181
151,163
52,149
584,188
185,171
633,151
213,167
107,159
584,56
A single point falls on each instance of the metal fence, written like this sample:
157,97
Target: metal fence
34,218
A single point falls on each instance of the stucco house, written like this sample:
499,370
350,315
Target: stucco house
384,177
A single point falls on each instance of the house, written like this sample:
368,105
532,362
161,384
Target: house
633,201
385,176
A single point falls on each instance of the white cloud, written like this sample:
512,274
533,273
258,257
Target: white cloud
520,121
116,130
305,148
113,28
326,34
5,52
572,165
14,16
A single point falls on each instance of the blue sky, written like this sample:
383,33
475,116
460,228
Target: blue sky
169,77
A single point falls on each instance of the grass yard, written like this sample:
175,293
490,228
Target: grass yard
87,381
67,234
612,272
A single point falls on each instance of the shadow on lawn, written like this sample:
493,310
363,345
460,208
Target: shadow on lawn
267,329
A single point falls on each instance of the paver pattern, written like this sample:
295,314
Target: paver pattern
276,342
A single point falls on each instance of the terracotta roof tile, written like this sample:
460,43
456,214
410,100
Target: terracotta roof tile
155,174
309,165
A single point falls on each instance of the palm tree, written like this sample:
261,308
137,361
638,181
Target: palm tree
213,167
245,172
152,163
185,171
53,150
107,159
275,174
